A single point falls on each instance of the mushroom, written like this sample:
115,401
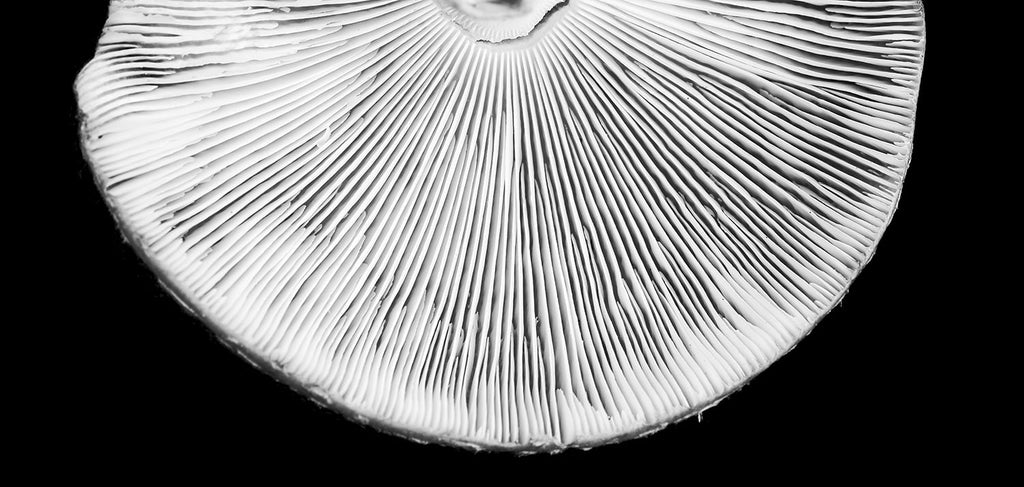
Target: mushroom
508,224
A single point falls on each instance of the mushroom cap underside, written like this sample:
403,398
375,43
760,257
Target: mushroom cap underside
570,226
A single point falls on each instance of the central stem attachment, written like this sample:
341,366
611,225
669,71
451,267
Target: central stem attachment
498,21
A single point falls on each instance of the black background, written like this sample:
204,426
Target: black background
149,381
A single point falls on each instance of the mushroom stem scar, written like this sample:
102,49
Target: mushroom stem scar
499,21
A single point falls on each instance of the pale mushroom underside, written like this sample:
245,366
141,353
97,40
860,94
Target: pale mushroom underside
521,224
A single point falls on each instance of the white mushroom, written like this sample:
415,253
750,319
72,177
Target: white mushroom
524,224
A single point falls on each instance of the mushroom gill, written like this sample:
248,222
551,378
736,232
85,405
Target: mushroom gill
523,224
